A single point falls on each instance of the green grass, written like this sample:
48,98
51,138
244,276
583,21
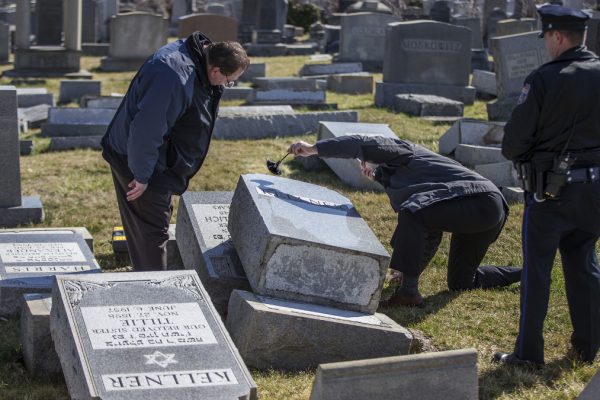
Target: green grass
76,190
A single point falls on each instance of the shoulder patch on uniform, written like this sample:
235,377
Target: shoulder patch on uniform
524,93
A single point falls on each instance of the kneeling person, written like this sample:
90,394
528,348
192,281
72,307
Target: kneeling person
432,194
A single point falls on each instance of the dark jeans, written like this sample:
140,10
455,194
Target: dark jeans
570,225
474,221
146,223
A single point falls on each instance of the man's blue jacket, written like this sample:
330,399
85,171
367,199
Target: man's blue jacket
161,132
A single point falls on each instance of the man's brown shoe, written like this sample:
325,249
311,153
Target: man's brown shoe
403,299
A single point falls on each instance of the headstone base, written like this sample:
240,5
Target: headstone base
352,83
271,333
59,143
513,194
47,61
385,93
30,211
72,130
258,70
39,355
501,109
471,155
266,50
95,49
424,105
301,49
112,64
237,93
501,174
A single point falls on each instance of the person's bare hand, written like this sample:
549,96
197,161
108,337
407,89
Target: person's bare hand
368,169
137,189
302,149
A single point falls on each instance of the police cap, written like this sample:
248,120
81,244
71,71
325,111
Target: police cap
557,17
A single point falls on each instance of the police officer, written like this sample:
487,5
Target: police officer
553,136
431,194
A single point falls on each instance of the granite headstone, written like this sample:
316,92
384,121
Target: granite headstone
30,258
217,27
303,242
151,335
205,244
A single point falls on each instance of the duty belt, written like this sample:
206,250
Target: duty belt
587,175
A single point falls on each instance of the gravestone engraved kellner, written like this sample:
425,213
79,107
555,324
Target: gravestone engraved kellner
304,242
151,335
30,258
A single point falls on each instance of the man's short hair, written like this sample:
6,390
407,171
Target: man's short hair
228,57
574,37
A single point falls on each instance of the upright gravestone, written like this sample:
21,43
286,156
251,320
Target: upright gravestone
449,375
474,24
491,24
489,6
248,20
268,30
348,170
205,244
440,11
426,57
217,27
507,27
515,57
127,52
29,259
92,21
362,38
4,42
303,242
592,40
180,8
151,335
14,208
49,14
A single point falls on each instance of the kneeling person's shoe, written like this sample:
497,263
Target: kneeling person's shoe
511,359
402,298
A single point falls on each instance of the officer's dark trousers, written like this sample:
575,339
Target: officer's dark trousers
146,223
571,225
475,222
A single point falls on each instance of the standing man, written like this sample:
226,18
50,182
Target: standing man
159,136
553,137
431,194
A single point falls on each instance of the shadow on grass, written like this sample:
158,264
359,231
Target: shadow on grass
411,316
505,380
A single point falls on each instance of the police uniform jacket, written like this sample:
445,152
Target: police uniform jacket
559,97
162,129
413,176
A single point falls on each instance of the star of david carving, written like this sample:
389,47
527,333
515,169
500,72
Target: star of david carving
160,359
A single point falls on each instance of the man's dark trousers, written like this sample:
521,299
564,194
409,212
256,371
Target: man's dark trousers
475,222
146,223
570,224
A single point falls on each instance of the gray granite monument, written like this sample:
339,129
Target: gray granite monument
426,57
151,335
448,375
362,38
303,242
15,209
205,244
288,335
29,259
127,52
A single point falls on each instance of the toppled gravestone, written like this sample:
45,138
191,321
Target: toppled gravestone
304,242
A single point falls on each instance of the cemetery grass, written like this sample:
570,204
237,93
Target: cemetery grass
76,190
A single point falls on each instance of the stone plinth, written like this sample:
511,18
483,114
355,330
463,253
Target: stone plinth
359,83
39,356
303,242
273,333
449,375
472,155
423,105
470,131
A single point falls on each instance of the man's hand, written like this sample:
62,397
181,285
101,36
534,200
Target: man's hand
137,189
302,149
368,169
